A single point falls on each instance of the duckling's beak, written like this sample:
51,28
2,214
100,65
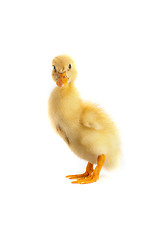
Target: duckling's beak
62,79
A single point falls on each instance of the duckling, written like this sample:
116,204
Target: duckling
87,129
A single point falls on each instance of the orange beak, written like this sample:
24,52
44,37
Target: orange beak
62,79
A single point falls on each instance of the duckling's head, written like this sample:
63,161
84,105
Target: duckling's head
64,70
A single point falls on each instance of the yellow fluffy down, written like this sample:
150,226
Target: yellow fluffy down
88,131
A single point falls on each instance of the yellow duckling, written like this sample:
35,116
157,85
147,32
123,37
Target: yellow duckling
88,131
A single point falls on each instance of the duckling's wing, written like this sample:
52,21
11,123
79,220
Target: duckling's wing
93,117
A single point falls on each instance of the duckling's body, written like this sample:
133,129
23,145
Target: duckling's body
87,130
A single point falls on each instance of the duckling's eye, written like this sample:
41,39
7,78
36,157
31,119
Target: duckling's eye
54,68
69,66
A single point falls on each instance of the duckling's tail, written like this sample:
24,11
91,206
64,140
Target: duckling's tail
113,160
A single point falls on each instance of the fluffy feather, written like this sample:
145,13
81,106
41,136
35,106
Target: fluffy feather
87,129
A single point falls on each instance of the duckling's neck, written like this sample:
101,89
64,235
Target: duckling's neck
68,91
69,95
66,88
67,102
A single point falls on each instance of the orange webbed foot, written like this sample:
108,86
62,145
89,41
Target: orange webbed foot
77,176
90,175
88,172
89,179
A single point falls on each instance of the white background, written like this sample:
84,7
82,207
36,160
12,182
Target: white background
116,45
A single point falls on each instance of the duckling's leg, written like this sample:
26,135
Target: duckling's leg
88,172
95,176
